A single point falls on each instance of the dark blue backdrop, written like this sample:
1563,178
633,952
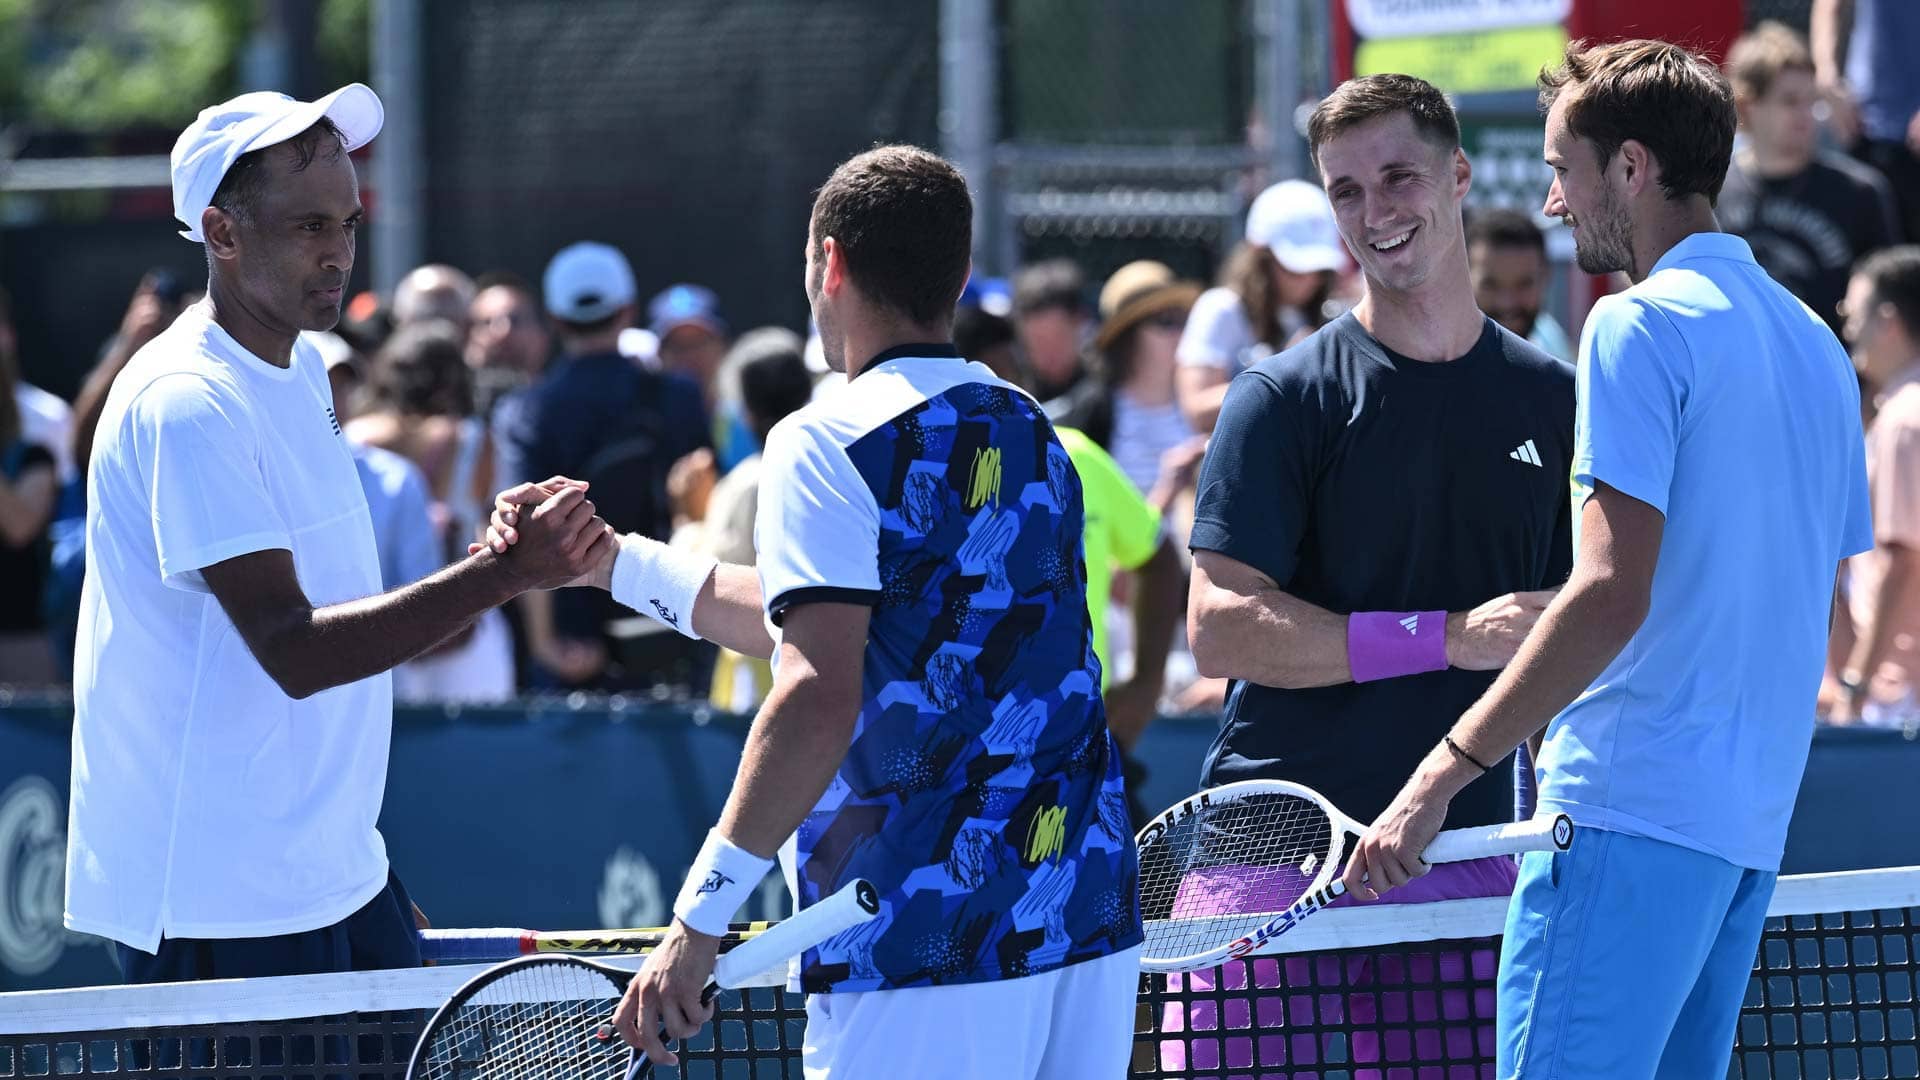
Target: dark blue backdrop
560,818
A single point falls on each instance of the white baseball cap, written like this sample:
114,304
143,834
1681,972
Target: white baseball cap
587,282
1294,220
221,133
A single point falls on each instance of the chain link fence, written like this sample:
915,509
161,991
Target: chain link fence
689,133
1130,129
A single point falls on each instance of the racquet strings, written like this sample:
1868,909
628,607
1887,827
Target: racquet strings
537,1022
1223,871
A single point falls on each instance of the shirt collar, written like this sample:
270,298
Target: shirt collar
927,350
1705,245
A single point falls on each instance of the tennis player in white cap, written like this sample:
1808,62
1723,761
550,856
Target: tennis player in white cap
232,707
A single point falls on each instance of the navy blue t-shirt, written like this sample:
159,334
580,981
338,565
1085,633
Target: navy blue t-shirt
1361,480
602,418
585,404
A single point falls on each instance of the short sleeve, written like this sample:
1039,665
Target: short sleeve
197,456
817,533
1133,527
1256,484
1217,333
1630,400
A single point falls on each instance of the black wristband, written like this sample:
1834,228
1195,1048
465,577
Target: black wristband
1468,758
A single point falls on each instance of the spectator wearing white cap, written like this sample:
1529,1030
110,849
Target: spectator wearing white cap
599,416
1273,291
223,807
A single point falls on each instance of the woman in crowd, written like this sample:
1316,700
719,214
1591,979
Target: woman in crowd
1274,290
422,409
1143,308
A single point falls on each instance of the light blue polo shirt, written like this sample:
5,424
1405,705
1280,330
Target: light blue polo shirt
1711,394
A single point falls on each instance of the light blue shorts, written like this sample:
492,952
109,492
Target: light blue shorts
1626,958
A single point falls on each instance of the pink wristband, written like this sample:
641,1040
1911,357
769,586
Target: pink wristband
1388,644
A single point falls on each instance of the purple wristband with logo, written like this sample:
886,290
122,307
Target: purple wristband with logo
1388,644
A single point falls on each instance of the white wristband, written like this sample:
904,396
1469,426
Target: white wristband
663,582
720,880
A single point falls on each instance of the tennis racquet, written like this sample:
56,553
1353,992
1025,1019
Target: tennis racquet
549,1017
489,944
1233,867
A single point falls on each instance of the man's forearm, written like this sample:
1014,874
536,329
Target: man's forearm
730,612
1828,28
1580,633
1270,638
1876,638
344,643
796,745
1156,609
90,403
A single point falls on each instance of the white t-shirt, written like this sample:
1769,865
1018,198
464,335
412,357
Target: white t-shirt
1710,394
47,419
1218,334
206,803
1142,433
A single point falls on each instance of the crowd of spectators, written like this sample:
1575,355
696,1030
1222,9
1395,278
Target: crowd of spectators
454,387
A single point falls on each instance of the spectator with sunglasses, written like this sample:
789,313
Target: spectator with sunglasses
1143,308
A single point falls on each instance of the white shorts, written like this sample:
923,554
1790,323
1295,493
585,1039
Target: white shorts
1070,1023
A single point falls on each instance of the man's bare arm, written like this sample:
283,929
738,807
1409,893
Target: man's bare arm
1829,28
802,732
1582,632
728,610
1242,625
1829,25
307,649
1875,642
1156,609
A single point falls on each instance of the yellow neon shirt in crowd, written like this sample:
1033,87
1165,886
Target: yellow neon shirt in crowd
1122,531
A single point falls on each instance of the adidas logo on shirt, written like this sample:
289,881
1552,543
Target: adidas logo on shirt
1412,623
335,421
1525,452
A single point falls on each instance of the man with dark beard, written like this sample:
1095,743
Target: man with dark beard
1679,665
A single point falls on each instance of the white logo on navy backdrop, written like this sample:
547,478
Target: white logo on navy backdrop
630,891
631,894
33,846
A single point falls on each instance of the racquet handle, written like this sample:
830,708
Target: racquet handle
1535,834
855,903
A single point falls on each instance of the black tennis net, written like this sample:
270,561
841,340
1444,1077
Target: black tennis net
1402,993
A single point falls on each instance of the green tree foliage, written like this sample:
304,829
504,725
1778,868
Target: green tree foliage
107,65
342,30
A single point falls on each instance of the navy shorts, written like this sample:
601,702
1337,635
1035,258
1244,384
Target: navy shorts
382,934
